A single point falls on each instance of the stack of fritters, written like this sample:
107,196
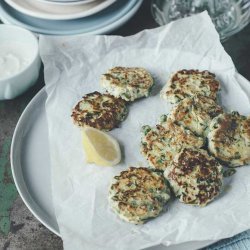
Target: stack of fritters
194,93
194,175
176,146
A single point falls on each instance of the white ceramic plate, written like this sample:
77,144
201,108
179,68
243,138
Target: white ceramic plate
31,168
101,23
66,2
54,11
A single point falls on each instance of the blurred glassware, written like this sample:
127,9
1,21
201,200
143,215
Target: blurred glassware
229,16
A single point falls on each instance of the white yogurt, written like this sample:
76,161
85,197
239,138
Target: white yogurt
14,57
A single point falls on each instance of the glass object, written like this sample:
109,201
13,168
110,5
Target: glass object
229,16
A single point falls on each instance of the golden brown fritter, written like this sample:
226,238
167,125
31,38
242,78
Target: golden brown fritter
195,177
127,83
187,83
101,111
229,139
159,145
196,113
138,194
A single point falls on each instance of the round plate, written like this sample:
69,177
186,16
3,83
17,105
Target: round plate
31,168
54,11
104,22
66,2
30,162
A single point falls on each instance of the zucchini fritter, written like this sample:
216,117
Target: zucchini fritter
195,177
138,194
187,83
160,144
101,111
229,139
127,83
196,113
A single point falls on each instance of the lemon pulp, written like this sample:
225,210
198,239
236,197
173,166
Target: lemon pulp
100,148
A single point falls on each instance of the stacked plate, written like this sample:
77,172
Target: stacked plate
68,17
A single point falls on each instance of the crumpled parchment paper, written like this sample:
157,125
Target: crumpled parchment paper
72,68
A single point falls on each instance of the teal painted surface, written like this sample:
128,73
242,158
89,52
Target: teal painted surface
1,105
8,192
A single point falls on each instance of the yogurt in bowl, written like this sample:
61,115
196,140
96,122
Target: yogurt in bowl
19,61
14,57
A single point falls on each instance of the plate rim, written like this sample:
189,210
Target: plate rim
135,5
74,2
50,16
12,156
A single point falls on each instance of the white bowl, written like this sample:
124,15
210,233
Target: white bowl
18,42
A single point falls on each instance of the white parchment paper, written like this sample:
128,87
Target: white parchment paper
73,66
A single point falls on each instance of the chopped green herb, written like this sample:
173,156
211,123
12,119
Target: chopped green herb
145,129
229,172
163,118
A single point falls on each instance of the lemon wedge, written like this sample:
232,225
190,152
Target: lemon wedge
100,148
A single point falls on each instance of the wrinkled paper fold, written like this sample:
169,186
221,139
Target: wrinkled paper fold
72,68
